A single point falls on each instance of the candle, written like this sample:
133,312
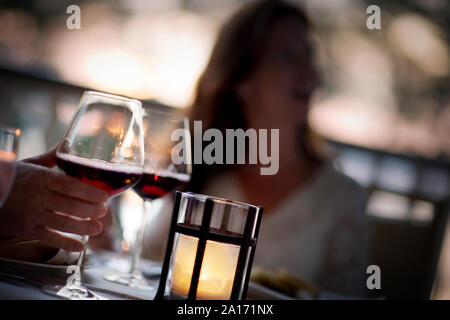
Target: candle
217,271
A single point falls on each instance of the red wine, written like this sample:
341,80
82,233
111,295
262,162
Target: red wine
157,184
112,178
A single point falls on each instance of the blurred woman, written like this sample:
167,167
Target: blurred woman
261,75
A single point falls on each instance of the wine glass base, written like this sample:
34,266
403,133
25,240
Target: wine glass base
72,292
136,281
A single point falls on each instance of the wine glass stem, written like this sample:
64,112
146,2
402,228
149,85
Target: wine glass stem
78,280
137,250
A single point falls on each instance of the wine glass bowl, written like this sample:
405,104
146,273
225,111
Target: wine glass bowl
161,175
105,133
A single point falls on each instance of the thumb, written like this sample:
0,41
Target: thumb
47,159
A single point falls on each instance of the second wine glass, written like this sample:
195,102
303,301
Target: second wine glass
167,167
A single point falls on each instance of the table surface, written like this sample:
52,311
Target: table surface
24,281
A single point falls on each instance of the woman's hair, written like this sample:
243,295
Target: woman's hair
238,51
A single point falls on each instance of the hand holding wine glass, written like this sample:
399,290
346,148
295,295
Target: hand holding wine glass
38,196
103,146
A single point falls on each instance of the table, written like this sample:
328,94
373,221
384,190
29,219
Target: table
23,281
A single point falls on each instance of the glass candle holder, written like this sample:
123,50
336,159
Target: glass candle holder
210,249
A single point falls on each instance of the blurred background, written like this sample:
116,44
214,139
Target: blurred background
383,107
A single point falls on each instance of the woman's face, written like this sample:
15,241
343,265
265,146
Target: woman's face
277,93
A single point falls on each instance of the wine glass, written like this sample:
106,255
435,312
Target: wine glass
9,140
102,146
167,167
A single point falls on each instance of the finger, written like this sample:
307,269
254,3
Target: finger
47,159
57,240
74,188
65,223
107,219
74,207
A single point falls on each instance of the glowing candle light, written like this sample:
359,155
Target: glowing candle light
217,272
